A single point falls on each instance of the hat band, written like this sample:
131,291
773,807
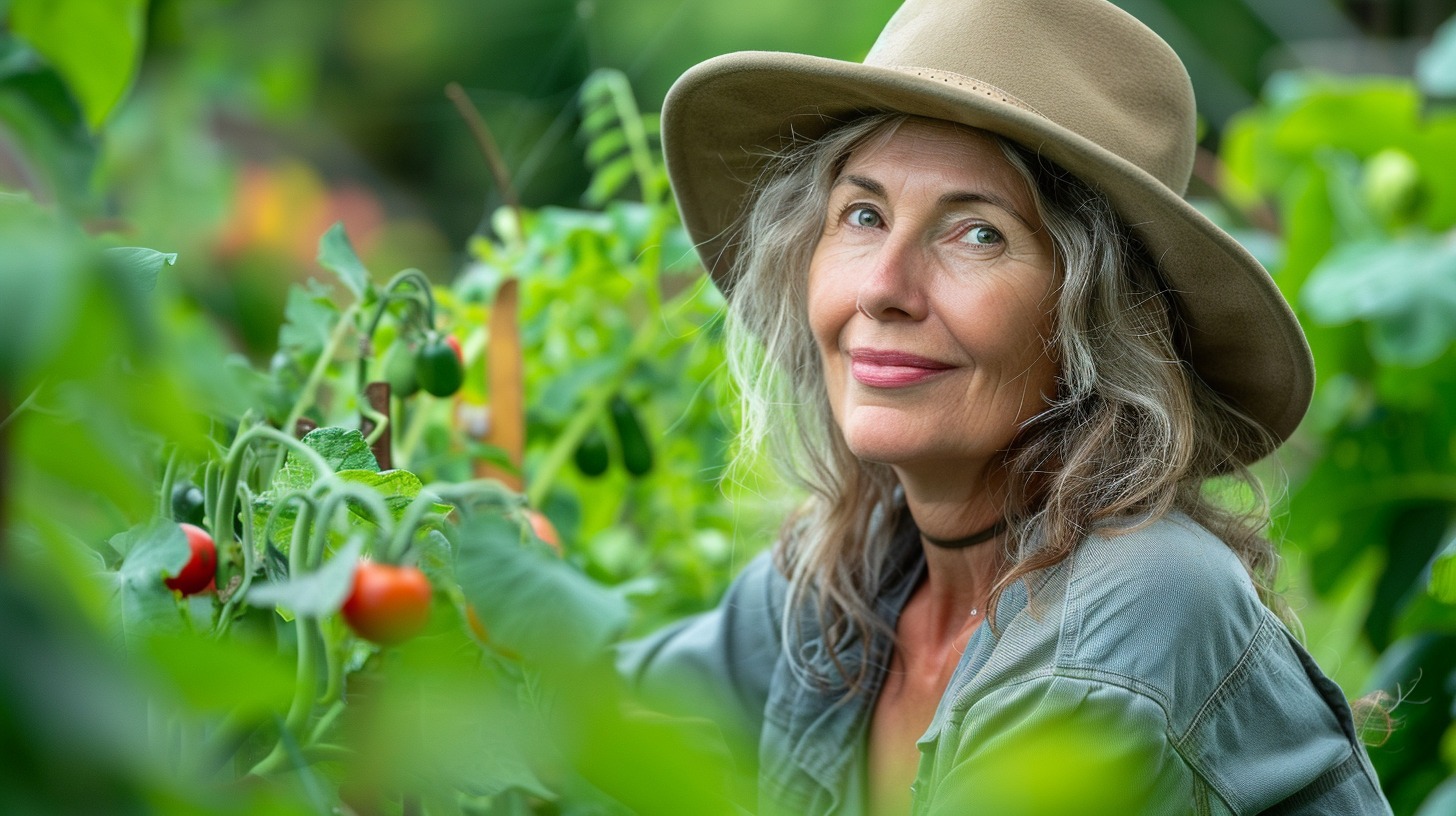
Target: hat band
974,85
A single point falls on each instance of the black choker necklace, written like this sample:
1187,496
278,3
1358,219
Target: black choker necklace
969,541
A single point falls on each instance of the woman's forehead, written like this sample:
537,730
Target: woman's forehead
940,155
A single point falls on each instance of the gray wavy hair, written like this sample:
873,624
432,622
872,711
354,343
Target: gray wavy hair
1131,435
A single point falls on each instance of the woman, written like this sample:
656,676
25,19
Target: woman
982,328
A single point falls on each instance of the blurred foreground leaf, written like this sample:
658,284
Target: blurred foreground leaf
533,603
95,45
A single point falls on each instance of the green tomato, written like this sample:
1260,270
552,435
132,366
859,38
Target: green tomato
1391,186
439,368
399,370
188,503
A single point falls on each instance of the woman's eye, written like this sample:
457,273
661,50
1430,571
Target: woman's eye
982,235
864,217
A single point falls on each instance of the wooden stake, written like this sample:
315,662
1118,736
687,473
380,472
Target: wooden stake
505,381
377,395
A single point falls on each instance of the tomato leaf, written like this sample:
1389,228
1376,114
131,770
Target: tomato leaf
1443,573
309,318
337,254
212,675
341,448
317,593
1436,65
140,265
95,46
532,602
1405,290
398,487
151,553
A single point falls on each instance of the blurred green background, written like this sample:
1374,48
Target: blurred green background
235,133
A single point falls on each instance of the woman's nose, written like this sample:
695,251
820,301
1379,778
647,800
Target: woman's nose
893,286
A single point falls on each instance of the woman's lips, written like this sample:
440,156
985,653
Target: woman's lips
892,369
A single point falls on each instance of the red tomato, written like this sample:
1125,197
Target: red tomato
198,573
388,604
454,343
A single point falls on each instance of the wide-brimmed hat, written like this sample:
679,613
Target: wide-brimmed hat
1080,82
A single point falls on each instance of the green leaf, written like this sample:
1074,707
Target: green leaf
94,45
609,180
140,265
398,487
42,282
211,675
1443,573
606,146
532,602
317,593
336,253
341,448
1405,290
1436,65
598,119
49,143
151,553
1441,800
309,317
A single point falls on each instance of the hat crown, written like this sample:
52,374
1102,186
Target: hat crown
1097,71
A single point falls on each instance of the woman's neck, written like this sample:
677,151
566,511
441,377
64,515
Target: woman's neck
958,580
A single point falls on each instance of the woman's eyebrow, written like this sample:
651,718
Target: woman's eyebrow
869,185
989,198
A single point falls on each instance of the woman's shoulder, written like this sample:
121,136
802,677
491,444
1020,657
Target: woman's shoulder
1166,603
1165,619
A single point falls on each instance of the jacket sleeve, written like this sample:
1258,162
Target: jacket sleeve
1060,744
717,665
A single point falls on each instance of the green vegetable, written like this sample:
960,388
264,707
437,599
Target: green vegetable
591,455
188,503
438,367
1391,185
636,451
399,370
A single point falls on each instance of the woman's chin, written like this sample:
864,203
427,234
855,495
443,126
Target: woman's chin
875,445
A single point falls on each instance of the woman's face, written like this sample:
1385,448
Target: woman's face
931,294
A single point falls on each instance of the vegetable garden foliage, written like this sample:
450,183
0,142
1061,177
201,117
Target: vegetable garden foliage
465,672
382,629
1362,176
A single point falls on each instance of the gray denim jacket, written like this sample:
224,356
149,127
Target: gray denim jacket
1146,678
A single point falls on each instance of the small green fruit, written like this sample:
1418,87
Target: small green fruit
1391,186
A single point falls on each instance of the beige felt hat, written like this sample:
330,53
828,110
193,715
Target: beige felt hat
1079,81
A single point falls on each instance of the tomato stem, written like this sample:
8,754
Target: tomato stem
424,291
307,393
169,478
228,554
380,420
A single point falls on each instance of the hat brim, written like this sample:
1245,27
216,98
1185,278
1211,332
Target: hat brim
724,115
